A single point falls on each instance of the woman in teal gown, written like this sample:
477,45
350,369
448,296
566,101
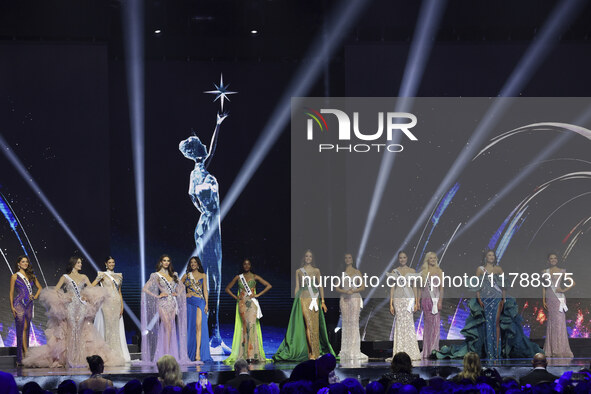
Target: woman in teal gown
306,336
248,341
493,329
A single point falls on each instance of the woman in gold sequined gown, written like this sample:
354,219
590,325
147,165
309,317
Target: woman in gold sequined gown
109,320
306,336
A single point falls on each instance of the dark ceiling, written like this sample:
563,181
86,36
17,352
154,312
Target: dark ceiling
221,29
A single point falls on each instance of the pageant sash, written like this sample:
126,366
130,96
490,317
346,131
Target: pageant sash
407,291
250,294
434,294
561,297
196,289
170,291
314,296
76,289
29,288
113,279
360,299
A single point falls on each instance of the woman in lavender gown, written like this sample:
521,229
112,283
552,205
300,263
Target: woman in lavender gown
556,344
71,336
21,303
430,301
164,315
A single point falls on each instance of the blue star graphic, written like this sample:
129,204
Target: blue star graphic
221,91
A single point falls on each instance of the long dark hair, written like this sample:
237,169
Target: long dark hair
345,264
72,262
304,259
486,251
547,258
199,265
170,267
241,269
401,362
29,272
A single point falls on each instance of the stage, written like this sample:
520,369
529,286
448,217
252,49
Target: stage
218,372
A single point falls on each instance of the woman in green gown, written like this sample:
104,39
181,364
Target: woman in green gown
248,342
306,336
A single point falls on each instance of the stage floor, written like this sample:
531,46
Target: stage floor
218,372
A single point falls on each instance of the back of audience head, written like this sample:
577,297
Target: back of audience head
472,368
240,366
375,388
190,388
539,360
297,387
95,364
324,365
152,385
169,371
354,386
32,388
134,386
67,387
401,363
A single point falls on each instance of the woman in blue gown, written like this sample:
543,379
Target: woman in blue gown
493,329
195,282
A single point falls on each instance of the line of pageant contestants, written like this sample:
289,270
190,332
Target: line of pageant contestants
85,318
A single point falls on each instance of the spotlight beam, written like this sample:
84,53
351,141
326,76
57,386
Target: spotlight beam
133,27
343,16
14,160
427,25
562,14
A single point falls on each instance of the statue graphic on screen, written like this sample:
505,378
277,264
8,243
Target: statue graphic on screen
204,192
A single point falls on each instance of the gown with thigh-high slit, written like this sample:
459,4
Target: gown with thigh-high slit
480,329
248,341
70,333
195,305
306,314
23,304
164,320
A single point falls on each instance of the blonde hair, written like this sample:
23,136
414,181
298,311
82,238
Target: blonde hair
169,371
426,260
472,368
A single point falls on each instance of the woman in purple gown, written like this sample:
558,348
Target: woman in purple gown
164,315
21,303
431,297
556,344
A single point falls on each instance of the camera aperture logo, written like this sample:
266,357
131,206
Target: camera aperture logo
389,123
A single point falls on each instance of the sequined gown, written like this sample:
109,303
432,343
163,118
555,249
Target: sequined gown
556,344
404,336
295,346
23,305
196,305
350,305
113,330
70,333
432,320
164,320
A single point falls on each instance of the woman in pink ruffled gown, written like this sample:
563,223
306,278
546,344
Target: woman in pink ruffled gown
71,336
556,344
164,315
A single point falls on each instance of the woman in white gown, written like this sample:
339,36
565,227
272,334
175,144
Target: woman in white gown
403,303
71,336
109,319
351,304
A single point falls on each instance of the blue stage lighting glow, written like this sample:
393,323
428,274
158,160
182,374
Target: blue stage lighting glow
133,27
14,160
